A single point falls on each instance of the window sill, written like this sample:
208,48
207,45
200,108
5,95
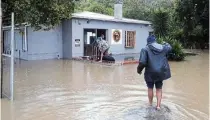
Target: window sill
129,47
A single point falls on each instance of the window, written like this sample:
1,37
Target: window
130,39
24,41
6,42
3,43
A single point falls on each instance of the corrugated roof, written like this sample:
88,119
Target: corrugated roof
98,16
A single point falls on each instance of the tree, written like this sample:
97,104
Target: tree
195,19
38,13
134,9
98,6
160,22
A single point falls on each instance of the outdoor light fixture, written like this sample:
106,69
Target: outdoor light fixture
88,21
78,22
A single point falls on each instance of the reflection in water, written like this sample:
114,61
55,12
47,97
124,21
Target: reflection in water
68,90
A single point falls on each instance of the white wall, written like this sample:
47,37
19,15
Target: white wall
44,44
78,26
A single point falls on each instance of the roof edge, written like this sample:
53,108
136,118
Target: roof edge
114,20
123,20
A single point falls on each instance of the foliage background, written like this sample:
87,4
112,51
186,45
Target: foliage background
186,21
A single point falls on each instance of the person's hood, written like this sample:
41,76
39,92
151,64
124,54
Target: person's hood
151,39
155,48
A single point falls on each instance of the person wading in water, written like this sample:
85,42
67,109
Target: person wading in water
103,46
154,59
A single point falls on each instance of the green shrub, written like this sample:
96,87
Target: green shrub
177,52
160,21
177,34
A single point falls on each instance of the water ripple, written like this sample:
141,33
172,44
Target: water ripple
129,104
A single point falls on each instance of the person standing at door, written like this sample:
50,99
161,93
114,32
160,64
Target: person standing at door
103,46
153,59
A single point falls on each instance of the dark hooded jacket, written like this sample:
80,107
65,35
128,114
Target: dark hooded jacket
154,59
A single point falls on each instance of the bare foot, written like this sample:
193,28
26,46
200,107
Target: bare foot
158,108
150,104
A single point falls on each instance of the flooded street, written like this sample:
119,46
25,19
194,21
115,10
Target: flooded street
70,90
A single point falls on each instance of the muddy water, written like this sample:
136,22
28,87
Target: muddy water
65,90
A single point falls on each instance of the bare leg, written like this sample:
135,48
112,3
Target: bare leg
150,95
101,57
159,97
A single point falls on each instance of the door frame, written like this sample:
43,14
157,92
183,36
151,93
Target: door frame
96,32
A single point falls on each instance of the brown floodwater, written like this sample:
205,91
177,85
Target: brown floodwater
70,90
